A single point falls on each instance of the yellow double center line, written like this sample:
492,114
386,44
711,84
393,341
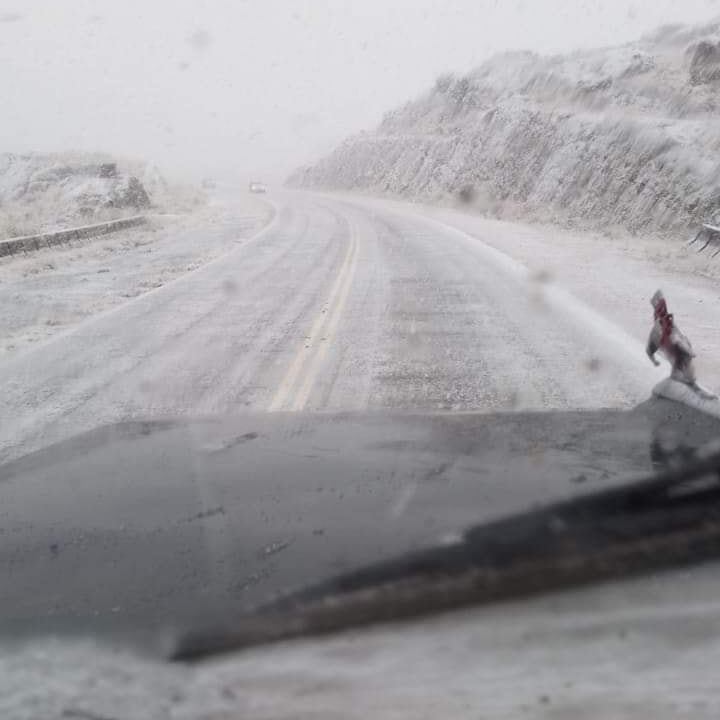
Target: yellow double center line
295,388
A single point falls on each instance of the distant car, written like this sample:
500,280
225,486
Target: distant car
257,187
209,184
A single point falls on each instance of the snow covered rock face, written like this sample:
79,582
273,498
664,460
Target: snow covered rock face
625,136
705,64
44,192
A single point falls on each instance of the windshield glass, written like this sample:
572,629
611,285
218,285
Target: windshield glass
294,290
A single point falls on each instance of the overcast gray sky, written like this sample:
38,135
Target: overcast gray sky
256,87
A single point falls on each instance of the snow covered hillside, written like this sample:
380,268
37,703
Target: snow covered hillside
43,192
626,136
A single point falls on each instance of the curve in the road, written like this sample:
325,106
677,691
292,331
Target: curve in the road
338,305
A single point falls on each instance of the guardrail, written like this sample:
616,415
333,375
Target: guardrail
711,235
29,243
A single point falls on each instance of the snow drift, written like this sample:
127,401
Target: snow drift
625,136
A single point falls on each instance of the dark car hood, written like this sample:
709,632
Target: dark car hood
163,524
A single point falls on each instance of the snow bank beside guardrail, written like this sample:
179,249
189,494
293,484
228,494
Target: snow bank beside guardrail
35,242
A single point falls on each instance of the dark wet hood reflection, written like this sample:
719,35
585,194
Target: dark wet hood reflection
156,526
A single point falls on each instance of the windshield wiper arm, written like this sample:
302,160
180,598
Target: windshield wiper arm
664,521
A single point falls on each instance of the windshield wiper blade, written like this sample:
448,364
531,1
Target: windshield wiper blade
667,520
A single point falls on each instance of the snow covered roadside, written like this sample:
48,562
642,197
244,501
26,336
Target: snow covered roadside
614,273
644,648
52,289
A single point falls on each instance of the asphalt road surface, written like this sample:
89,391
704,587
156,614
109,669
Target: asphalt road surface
338,304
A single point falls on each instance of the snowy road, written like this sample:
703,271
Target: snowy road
335,305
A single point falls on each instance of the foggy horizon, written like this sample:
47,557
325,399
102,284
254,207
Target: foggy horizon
236,90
